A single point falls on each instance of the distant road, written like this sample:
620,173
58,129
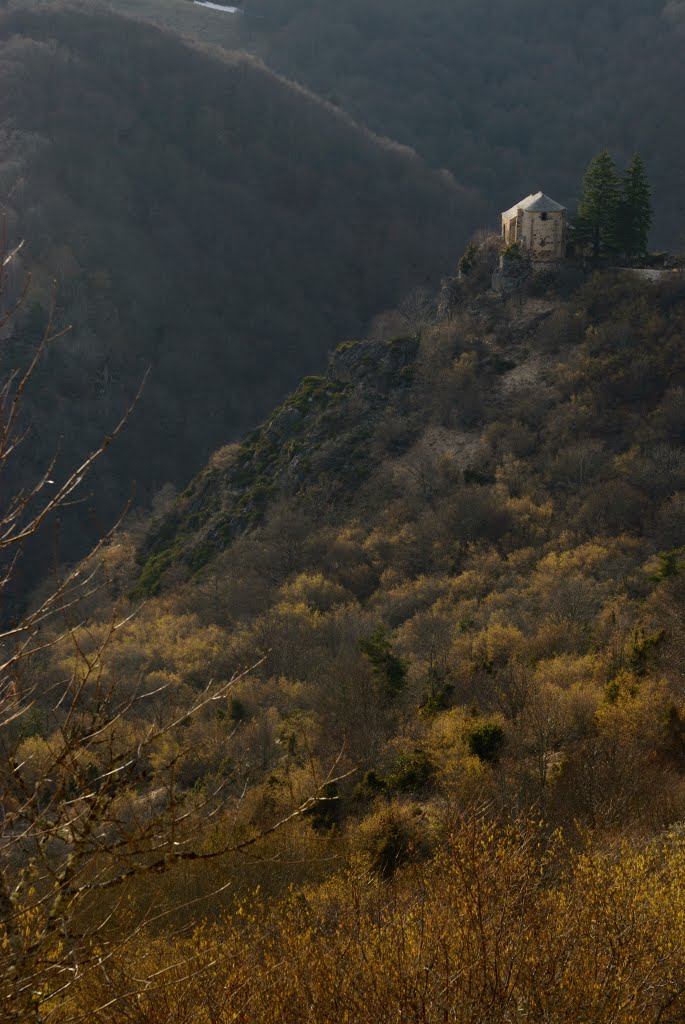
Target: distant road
217,7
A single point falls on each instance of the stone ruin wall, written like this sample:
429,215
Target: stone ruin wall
543,234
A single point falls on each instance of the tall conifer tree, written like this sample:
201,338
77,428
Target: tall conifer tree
599,204
635,210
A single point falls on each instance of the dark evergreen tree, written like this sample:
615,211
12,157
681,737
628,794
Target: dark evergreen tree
635,211
599,205
390,670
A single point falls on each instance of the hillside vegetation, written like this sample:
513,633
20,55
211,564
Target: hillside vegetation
455,564
203,217
382,718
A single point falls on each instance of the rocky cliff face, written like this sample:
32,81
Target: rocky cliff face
319,436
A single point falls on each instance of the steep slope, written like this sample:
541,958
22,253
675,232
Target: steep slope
202,216
511,97
319,434
465,545
566,403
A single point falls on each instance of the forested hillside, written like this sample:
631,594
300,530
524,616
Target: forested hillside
201,216
453,569
382,717
511,97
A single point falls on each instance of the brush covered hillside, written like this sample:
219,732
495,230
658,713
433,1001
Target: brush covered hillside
496,495
462,542
452,571
511,97
202,216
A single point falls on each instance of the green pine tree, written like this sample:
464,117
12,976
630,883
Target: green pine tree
599,204
635,211
390,670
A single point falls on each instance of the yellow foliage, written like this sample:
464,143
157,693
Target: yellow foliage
314,591
505,919
497,644
567,670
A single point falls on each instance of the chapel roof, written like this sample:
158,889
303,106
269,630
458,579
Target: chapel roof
537,203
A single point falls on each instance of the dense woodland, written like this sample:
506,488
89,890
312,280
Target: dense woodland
451,569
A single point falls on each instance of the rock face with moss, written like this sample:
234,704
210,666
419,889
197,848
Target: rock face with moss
319,434
460,425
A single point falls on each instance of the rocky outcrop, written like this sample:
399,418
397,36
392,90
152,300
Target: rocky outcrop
320,433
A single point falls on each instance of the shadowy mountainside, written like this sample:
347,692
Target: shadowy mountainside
202,216
511,97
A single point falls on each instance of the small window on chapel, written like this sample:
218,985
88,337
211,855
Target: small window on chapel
543,216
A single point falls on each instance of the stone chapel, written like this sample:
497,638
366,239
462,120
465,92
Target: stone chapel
539,224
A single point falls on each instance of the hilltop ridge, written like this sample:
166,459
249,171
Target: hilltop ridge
496,398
